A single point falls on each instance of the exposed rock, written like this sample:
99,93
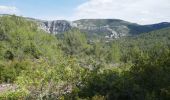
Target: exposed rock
7,87
108,28
55,27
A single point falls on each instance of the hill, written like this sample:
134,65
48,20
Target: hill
104,28
98,28
36,65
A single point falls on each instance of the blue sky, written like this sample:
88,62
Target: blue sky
137,11
44,9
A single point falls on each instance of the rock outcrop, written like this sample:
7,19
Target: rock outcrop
55,27
108,28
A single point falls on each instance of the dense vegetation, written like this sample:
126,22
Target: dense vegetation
44,67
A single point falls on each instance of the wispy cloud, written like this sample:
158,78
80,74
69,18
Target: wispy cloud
140,11
8,10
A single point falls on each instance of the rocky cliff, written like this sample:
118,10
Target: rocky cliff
108,28
55,27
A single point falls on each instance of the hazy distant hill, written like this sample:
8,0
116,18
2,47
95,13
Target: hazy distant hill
108,28
105,28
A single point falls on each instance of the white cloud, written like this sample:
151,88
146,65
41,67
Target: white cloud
140,11
8,10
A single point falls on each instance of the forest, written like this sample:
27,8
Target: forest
68,66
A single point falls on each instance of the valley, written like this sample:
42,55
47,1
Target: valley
87,59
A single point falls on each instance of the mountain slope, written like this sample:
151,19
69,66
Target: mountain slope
108,28
146,41
103,28
21,43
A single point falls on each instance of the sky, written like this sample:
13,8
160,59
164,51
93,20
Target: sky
136,11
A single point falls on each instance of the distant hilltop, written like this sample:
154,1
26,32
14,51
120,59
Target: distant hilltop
107,28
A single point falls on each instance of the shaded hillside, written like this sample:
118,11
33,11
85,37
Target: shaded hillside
147,28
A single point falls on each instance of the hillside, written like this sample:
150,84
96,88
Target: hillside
98,28
29,57
104,28
149,39
36,65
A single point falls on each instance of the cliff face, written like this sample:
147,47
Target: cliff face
108,28
91,27
55,27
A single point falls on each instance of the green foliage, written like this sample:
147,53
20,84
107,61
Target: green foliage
9,55
13,95
42,67
152,73
146,79
48,81
32,60
74,42
11,69
114,53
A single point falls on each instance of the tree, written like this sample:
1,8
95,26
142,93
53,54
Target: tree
114,53
74,42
